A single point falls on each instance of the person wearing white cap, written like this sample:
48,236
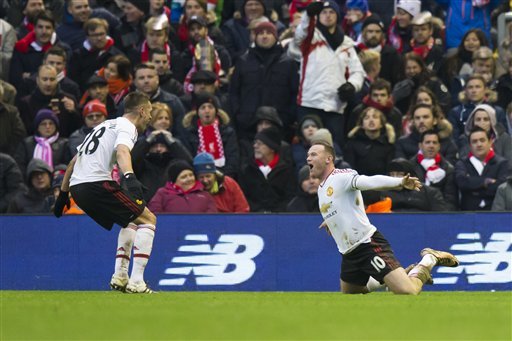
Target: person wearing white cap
399,31
423,43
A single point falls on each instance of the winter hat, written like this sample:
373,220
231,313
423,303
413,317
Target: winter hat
470,123
413,7
361,5
271,137
176,167
94,106
203,76
205,97
38,165
401,165
266,26
142,5
332,4
260,1
204,163
323,134
197,19
45,114
94,80
373,19
268,113
312,117
303,174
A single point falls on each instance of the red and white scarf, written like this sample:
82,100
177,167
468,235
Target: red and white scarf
434,173
210,141
480,165
187,85
422,50
144,52
394,38
109,44
43,149
266,169
29,40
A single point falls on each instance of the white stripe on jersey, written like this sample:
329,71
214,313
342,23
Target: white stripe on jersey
97,154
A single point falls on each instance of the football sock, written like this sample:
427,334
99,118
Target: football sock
420,272
428,261
141,251
124,249
374,285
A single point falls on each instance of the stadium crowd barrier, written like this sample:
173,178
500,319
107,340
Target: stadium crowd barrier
278,252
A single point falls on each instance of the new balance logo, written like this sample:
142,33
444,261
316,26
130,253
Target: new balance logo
489,263
209,265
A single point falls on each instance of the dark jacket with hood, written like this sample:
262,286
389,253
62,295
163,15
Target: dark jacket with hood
11,181
151,168
31,200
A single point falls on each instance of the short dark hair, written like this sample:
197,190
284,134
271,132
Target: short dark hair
429,132
477,129
380,84
423,106
133,100
56,51
158,50
45,16
144,66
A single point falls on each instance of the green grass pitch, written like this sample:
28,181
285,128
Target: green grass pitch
61,315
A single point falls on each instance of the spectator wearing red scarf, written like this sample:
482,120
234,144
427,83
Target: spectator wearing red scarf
29,51
207,129
268,180
96,50
434,170
479,175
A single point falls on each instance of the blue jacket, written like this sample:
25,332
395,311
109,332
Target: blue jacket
462,16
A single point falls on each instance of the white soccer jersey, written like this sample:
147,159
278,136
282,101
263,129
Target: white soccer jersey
97,154
342,208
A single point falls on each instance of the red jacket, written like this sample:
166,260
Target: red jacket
172,199
230,198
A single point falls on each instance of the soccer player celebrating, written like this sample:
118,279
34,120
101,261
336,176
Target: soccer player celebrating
88,177
366,253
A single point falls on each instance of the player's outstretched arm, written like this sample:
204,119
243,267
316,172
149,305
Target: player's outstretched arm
384,182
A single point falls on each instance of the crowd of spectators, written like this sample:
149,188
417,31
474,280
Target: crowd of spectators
241,88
